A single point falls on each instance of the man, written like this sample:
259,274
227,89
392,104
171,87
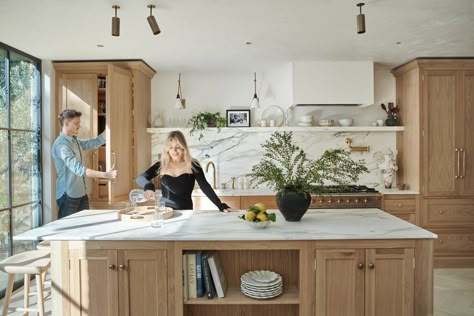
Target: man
71,188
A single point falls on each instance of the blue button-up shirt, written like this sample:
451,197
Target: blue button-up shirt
67,157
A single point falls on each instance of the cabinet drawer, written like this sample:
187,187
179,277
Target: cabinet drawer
449,212
454,244
409,217
400,206
247,201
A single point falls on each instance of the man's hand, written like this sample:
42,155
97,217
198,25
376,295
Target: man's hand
111,174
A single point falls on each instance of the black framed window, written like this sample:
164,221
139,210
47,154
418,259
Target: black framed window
20,150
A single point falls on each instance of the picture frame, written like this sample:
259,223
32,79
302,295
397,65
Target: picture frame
238,118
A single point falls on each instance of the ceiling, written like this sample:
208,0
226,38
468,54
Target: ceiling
200,35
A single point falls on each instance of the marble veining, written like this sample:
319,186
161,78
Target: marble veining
321,224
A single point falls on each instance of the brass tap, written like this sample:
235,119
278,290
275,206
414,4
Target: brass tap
356,148
233,182
210,163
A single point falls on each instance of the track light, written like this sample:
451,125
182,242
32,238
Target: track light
115,22
151,20
255,102
360,20
180,102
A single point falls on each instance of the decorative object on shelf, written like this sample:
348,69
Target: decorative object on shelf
388,167
392,116
180,101
325,123
115,22
286,168
152,21
360,19
255,102
345,122
155,120
202,120
261,284
357,148
238,118
273,113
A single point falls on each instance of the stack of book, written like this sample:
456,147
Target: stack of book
203,275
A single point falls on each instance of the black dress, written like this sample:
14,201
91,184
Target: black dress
176,191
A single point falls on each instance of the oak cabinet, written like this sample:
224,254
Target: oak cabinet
249,200
118,282
402,206
116,97
364,282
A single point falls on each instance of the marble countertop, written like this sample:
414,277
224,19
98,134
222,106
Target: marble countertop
321,224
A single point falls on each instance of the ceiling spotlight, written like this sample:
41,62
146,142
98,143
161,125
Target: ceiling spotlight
115,22
360,19
255,102
151,20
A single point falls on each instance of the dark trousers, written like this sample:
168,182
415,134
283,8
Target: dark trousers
68,205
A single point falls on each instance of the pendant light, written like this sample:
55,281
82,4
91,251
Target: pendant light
115,22
360,19
180,102
255,102
152,21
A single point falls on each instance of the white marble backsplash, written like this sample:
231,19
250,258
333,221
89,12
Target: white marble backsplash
235,150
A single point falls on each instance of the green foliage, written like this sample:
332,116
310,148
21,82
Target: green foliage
285,166
202,120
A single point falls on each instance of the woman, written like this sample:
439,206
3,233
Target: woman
178,172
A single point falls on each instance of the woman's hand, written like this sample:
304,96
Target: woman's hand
148,194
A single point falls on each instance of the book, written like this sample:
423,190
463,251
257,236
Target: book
199,280
185,277
217,272
192,288
207,278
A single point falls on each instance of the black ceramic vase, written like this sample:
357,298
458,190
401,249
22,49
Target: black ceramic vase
391,120
293,205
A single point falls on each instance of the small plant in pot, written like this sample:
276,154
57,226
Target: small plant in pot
202,120
286,168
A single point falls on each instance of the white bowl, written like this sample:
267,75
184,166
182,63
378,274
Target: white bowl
345,122
306,119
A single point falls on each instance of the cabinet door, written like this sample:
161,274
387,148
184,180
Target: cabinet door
93,280
467,136
80,92
340,282
143,282
389,282
440,166
119,131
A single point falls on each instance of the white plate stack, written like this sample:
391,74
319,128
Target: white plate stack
261,284
305,121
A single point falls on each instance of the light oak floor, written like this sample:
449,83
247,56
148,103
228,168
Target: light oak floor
453,294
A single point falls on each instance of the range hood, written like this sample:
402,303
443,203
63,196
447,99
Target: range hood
343,83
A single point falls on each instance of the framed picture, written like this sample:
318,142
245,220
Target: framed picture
238,118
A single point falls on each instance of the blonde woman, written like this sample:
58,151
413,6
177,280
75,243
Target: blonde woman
178,171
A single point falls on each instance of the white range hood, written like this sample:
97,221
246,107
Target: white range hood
333,83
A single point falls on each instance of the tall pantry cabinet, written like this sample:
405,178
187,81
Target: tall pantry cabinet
436,97
114,96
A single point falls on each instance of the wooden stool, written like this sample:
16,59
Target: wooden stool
35,262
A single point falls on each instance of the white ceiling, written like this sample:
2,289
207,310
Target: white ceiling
212,34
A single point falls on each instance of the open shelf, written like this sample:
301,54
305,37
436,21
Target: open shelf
287,128
235,297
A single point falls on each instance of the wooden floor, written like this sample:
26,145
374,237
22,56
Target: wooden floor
453,294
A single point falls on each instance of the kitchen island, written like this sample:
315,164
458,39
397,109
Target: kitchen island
333,262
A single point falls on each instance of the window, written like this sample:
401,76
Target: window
20,150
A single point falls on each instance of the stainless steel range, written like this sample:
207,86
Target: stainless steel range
347,196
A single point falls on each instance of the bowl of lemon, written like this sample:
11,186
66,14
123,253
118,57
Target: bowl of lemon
257,216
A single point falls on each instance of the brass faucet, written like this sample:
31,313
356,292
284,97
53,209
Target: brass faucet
210,163
356,148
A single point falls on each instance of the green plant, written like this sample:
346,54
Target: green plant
202,120
285,166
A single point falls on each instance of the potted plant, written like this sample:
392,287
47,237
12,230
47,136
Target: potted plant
286,168
202,120
392,116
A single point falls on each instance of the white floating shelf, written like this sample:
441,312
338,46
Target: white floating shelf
160,130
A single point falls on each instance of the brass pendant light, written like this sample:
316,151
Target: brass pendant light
115,22
360,19
152,21
255,102
180,103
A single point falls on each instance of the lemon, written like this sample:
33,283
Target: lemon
250,216
261,207
262,217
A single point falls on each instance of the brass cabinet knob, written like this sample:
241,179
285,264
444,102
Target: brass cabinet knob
360,266
329,201
347,201
399,204
111,266
356,200
365,201
122,267
442,211
371,266
338,201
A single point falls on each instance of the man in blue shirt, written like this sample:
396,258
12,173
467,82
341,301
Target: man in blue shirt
71,187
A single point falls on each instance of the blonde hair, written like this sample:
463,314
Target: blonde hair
165,157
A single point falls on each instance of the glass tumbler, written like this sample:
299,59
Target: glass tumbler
158,220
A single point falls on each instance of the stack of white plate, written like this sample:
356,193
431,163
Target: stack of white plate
305,121
261,284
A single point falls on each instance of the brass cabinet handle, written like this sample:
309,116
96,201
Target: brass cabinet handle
459,157
463,163
371,266
122,267
111,266
360,266
399,204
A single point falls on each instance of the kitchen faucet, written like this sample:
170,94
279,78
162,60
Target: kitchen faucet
210,163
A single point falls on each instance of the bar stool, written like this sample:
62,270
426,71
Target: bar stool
35,262
44,245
